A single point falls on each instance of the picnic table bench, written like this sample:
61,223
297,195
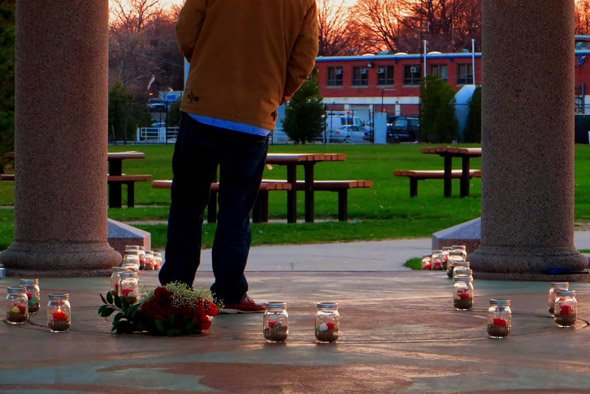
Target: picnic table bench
418,175
448,153
116,178
260,210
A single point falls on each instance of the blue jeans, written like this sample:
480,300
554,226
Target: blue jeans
199,150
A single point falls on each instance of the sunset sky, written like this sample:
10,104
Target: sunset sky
169,3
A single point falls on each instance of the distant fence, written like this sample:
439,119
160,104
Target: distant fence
156,135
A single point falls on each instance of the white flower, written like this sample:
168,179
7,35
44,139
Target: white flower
323,327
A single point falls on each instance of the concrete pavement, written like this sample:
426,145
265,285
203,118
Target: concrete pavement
400,333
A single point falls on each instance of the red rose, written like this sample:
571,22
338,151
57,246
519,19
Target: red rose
212,309
272,323
163,295
331,325
205,322
29,295
464,294
498,321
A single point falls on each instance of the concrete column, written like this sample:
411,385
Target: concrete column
61,139
528,141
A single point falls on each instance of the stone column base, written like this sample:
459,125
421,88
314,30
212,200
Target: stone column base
528,263
59,259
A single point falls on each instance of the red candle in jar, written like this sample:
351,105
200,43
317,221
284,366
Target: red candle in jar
59,315
565,310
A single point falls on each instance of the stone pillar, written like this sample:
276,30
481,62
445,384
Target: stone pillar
61,139
528,141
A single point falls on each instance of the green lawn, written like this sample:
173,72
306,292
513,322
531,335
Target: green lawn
386,211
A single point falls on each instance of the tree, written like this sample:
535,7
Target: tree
7,45
438,121
334,32
126,114
305,113
473,127
583,17
173,118
142,45
381,22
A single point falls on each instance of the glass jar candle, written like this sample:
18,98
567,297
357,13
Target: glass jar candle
463,292
551,296
141,257
462,268
499,318
59,312
131,247
275,322
437,260
566,308
129,286
131,261
426,263
148,261
157,260
17,305
115,278
460,249
327,322
33,294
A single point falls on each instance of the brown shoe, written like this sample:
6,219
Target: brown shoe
246,305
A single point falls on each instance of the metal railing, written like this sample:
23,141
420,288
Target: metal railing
156,135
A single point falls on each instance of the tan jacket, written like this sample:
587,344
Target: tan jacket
247,56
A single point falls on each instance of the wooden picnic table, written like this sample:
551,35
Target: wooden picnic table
448,153
308,161
115,160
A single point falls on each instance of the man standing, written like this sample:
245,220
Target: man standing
247,57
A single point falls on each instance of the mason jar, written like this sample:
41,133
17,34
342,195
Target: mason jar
59,312
33,294
437,260
142,257
17,305
275,322
463,292
131,261
566,308
157,260
499,318
462,268
115,278
459,250
148,260
327,322
129,286
551,296
426,263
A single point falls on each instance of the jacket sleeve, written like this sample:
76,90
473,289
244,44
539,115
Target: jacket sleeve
189,25
303,55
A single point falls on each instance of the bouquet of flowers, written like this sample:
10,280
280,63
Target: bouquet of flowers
173,310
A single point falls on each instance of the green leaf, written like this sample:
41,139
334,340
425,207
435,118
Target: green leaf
124,303
159,325
105,310
118,317
110,298
132,310
103,299
118,302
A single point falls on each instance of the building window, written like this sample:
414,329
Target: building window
385,76
412,74
360,76
464,74
335,76
440,70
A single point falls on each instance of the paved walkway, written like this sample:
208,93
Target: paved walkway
400,333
